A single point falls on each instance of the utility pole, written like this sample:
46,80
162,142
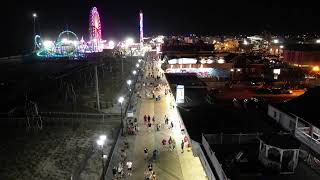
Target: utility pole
34,15
97,86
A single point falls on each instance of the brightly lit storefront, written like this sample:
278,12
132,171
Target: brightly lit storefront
203,68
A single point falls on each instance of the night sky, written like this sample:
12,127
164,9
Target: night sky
169,17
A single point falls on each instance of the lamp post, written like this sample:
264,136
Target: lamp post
134,72
129,82
34,15
120,100
100,143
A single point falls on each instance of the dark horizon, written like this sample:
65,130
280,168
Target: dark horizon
120,19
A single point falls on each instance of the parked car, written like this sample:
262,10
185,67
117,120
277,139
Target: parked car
264,91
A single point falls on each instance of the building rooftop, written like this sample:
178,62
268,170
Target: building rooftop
200,116
283,141
248,166
305,106
302,47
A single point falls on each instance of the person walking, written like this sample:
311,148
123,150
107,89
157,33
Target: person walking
164,143
145,119
148,118
120,170
182,146
173,144
154,155
129,166
170,143
146,174
114,171
150,168
153,119
153,177
166,120
149,126
145,153
171,124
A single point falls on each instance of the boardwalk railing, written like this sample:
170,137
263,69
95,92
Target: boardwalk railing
215,162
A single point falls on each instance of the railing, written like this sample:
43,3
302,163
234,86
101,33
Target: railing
269,163
231,138
308,140
215,162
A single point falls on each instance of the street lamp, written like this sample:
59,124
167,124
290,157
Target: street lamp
129,82
134,72
120,100
137,65
100,143
139,60
34,15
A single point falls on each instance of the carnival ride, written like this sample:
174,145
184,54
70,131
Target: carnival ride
68,44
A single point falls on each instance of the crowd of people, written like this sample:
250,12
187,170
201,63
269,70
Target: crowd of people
151,123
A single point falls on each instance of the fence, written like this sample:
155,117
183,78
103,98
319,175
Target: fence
231,138
216,164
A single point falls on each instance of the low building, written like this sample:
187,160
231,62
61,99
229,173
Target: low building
304,55
300,117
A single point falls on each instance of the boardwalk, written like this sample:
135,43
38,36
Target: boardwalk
170,165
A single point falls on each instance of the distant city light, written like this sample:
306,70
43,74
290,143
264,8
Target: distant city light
276,41
281,46
220,61
245,42
134,72
231,70
315,68
238,70
276,71
318,41
209,61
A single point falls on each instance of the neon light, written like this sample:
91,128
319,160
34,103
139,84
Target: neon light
95,30
141,27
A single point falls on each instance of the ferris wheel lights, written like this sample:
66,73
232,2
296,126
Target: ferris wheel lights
129,41
75,43
47,44
64,40
111,44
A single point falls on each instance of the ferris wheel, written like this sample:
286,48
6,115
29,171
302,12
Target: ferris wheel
95,25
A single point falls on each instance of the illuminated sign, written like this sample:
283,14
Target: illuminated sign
276,71
183,61
180,94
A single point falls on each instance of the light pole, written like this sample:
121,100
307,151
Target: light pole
129,82
120,100
134,72
34,15
100,143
